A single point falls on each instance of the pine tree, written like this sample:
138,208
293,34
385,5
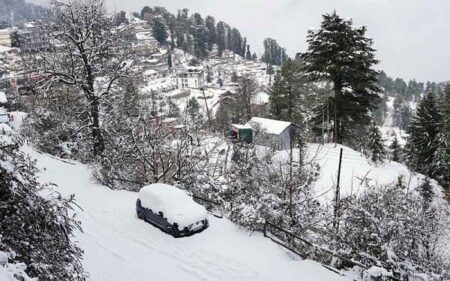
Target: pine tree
243,47
275,97
193,109
395,149
446,114
210,23
441,162
146,12
200,34
375,143
270,72
248,55
288,92
273,53
174,110
169,60
159,30
426,191
343,55
221,38
423,140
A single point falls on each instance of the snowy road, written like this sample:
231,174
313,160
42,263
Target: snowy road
120,247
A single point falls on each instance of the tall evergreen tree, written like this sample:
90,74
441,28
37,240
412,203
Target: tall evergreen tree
210,23
275,97
375,143
200,36
426,191
343,55
288,92
441,164
146,12
221,38
423,141
159,30
243,47
273,53
445,105
248,54
395,150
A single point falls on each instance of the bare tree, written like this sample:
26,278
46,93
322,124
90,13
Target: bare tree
86,55
247,88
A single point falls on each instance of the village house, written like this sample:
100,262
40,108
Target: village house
266,132
30,38
150,75
5,37
192,77
274,133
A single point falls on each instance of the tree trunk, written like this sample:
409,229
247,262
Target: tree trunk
99,142
337,116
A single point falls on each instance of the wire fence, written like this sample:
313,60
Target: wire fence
308,250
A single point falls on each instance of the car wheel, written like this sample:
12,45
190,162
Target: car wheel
140,215
172,231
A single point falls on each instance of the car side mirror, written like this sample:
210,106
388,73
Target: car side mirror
160,214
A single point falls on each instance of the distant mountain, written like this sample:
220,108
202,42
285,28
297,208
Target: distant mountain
16,12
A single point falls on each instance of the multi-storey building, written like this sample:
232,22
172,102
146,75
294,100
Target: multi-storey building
192,77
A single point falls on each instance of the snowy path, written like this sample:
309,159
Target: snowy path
120,247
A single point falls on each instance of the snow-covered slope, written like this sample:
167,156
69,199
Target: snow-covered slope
356,171
120,247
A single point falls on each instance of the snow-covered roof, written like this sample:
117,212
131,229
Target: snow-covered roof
194,69
143,36
238,126
4,49
169,120
174,203
3,98
270,126
150,72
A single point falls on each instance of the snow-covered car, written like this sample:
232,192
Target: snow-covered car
171,209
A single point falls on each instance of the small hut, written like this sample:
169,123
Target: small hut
241,133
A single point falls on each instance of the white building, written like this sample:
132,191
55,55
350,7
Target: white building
150,75
5,37
273,133
192,77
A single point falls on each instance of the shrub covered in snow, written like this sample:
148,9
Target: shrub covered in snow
264,187
12,271
37,230
397,229
55,125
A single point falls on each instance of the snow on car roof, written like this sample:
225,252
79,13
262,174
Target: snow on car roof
174,203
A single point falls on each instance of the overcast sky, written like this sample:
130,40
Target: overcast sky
412,37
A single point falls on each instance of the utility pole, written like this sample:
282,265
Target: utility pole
336,210
207,108
337,196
